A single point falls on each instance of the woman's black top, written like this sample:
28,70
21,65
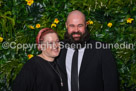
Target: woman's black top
37,75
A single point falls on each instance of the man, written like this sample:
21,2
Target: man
85,69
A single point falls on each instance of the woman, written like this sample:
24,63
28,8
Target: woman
41,73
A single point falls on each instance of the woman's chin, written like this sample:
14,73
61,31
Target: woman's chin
55,54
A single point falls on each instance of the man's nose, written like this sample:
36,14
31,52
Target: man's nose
76,29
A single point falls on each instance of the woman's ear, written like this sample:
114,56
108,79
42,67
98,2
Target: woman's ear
39,47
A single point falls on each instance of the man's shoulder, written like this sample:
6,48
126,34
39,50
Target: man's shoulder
98,45
96,41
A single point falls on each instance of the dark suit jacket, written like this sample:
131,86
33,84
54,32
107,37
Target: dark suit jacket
97,72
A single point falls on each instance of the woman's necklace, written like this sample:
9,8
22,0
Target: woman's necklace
58,72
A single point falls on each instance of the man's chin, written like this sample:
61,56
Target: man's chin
76,39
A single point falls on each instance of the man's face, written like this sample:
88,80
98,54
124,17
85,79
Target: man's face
76,26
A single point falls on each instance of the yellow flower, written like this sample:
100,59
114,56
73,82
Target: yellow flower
56,21
109,24
38,25
129,20
89,22
53,25
1,39
30,56
29,2
31,27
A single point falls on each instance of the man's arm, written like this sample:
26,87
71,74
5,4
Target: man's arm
109,70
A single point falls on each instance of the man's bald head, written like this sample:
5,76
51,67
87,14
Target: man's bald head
75,13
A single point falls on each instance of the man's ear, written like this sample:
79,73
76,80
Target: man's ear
86,24
66,25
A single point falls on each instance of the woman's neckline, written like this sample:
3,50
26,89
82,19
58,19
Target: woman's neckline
44,59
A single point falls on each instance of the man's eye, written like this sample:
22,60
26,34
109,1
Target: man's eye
71,25
80,25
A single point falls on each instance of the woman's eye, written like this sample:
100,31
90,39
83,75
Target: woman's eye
50,43
57,41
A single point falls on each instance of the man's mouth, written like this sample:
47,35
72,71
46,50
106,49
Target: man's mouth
76,35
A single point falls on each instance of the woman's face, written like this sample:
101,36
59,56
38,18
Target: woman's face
51,45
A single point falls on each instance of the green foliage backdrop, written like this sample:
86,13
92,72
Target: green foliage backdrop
111,21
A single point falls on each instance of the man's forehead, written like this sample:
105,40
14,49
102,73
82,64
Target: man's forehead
75,14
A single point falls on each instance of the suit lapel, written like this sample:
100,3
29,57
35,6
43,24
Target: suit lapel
88,54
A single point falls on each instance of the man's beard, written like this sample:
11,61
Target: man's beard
84,38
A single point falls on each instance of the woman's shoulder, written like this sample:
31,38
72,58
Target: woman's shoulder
35,61
32,60
32,63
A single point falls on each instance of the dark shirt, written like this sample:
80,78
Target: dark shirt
37,75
